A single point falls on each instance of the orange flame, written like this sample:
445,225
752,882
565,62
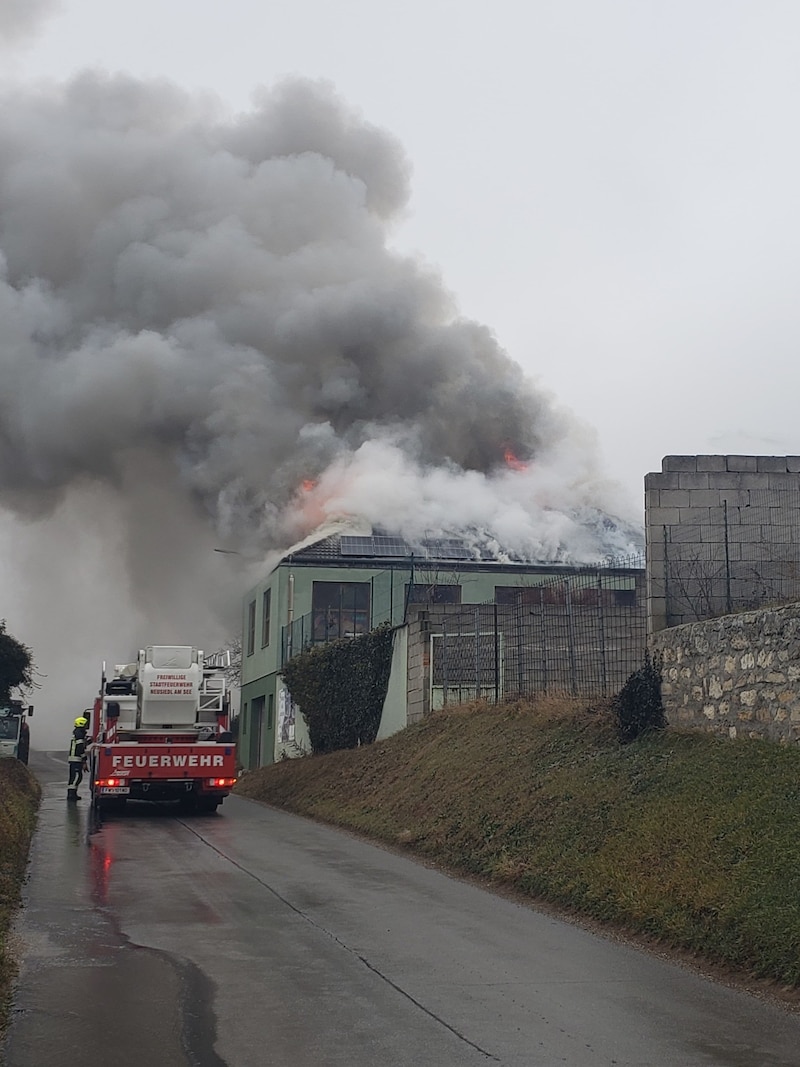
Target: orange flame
309,508
513,462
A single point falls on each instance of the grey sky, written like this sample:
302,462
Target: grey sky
21,18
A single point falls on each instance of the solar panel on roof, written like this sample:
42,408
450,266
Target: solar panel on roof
455,549
390,546
446,548
357,546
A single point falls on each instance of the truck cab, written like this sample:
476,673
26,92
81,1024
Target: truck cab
15,735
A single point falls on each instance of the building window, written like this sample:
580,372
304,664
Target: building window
539,595
266,618
424,593
512,594
624,598
339,609
561,593
251,628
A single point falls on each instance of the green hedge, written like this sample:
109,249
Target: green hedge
340,689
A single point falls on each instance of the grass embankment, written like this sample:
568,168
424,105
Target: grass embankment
19,802
689,839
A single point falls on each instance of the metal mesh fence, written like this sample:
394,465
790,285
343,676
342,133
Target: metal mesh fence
582,633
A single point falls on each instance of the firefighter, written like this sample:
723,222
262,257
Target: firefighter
77,757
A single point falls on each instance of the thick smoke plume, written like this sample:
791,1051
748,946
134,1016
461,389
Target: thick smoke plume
215,297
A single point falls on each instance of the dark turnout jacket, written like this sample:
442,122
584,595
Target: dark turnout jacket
77,745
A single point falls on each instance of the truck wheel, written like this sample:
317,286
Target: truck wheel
208,804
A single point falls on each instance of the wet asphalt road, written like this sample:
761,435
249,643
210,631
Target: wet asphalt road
253,938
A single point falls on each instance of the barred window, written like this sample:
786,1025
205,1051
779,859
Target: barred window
251,628
266,618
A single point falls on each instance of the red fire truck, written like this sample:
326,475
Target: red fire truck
160,731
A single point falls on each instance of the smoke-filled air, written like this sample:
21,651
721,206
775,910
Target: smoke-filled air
19,19
207,340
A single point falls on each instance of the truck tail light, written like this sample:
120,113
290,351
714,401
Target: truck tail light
108,782
221,783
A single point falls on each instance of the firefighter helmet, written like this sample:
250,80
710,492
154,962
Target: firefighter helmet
81,721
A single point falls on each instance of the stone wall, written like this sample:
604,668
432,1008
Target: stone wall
737,675
723,534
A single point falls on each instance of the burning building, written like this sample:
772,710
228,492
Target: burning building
469,621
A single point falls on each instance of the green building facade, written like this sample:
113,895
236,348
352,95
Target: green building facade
343,586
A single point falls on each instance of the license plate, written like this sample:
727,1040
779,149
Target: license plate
115,789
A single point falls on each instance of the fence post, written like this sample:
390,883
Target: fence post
602,614
477,652
571,638
409,587
518,637
496,659
727,557
544,639
444,661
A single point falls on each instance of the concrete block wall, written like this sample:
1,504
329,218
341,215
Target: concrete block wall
422,622
736,676
418,659
722,534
